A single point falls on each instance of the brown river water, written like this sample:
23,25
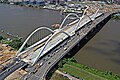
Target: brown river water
103,50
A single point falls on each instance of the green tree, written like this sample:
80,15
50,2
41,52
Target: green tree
72,60
60,64
16,43
1,37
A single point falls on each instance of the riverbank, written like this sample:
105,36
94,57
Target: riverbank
80,71
48,6
116,16
8,48
6,52
57,76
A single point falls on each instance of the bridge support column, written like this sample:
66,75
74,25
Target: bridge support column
98,25
92,30
86,37
68,53
103,21
78,44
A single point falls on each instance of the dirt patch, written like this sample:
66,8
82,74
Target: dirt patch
6,52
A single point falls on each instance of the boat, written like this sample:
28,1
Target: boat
55,25
11,3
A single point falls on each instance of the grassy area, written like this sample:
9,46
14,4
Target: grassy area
116,17
57,76
86,72
82,74
107,74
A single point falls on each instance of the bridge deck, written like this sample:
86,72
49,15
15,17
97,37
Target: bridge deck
56,40
43,70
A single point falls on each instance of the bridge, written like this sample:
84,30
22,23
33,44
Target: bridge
46,51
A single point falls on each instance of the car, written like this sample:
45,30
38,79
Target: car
65,76
65,72
30,73
65,48
57,51
41,64
62,45
17,61
35,71
49,55
49,62
53,53
69,41
8,70
44,59
25,78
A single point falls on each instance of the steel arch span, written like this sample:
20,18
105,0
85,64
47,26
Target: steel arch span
82,17
87,16
70,14
47,42
96,13
21,48
110,1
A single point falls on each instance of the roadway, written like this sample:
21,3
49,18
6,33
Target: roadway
60,51
13,66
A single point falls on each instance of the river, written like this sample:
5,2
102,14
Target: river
101,52
23,20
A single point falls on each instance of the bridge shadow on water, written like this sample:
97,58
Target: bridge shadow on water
77,47
90,35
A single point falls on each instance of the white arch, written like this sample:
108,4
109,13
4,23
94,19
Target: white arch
79,22
20,49
87,16
87,7
109,1
96,13
70,14
47,42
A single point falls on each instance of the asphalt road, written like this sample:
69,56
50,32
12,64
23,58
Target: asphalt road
14,66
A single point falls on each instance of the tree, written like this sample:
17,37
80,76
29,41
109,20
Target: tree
16,43
72,60
60,64
1,38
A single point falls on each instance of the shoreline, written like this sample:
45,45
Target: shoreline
94,73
